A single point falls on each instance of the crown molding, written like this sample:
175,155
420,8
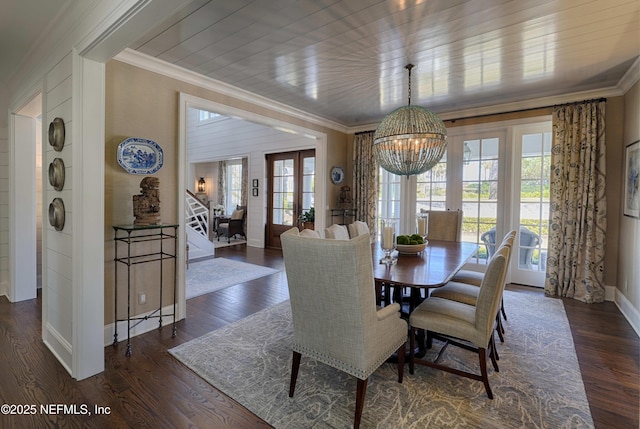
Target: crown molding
630,77
147,62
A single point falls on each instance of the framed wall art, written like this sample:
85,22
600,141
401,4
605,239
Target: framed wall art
632,180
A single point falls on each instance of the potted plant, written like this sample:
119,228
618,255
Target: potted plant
308,218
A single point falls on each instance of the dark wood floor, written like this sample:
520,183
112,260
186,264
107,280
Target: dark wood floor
152,390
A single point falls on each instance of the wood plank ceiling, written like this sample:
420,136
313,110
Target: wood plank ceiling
344,60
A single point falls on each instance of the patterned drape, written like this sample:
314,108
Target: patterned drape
245,182
577,229
365,181
222,184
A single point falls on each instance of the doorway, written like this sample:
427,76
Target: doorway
290,193
26,202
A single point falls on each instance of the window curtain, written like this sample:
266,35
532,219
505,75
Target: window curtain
365,181
222,184
577,225
244,187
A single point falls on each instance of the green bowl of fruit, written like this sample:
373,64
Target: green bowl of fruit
410,244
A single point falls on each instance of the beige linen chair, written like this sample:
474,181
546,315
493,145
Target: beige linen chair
463,287
357,228
444,225
336,232
455,321
335,319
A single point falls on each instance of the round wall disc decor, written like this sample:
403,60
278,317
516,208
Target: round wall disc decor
56,214
56,174
56,134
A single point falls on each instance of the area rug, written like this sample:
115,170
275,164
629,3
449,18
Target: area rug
218,273
223,242
538,386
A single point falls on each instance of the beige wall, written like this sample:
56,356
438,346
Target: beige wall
628,263
143,104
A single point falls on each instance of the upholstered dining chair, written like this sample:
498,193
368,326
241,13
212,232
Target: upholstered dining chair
357,228
470,327
233,225
335,318
444,224
464,286
336,232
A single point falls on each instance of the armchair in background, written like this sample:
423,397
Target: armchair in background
233,225
529,241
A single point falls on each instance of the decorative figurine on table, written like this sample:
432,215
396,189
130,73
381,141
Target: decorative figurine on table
344,197
146,206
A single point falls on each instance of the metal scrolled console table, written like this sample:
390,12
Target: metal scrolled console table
131,234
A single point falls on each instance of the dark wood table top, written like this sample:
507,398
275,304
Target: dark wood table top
432,268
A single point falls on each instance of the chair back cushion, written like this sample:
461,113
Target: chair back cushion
357,228
332,296
336,232
444,225
237,214
490,294
310,233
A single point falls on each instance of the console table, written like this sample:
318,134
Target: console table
128,236
344,213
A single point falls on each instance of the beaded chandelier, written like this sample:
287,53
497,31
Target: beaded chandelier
410,140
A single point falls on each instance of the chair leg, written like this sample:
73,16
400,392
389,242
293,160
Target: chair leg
401,352
499,328
502,309
295,365
360,394
483,369
493,353
412,344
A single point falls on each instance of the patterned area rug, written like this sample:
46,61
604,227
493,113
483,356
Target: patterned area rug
218,273
538,386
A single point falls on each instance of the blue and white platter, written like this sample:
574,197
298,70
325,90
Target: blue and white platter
140,156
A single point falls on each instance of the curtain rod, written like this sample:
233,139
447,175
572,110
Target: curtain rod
529,109
510,112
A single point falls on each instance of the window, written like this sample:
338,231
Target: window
480,174
389,197
205,117
480,191
432,187
234,186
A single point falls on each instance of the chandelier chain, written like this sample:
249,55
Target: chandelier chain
409,67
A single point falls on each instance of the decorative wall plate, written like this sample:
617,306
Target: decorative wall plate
56,214
56,174
337,175
140,156
56,134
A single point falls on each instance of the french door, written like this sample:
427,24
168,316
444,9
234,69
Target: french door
499,177
290,191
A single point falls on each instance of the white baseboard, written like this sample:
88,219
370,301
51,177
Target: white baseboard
628,310
142,327
4,288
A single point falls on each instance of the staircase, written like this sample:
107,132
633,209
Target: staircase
197,226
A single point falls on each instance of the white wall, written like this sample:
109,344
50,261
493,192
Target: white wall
57,329
4,210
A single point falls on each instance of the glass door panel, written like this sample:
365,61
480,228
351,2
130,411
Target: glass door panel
532,176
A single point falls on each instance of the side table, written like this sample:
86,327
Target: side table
129,235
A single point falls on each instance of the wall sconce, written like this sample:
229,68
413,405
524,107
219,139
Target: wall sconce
201,184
